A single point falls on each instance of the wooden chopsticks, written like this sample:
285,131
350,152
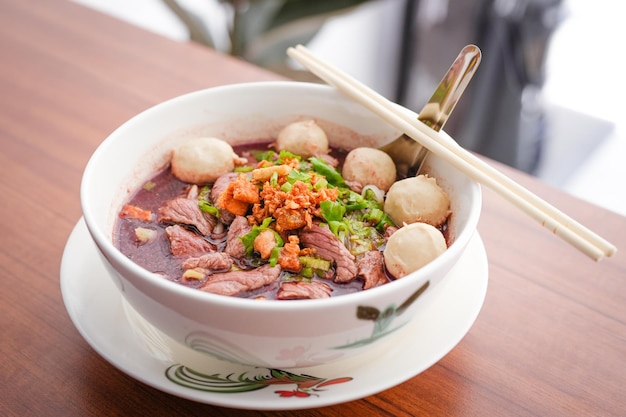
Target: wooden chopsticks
550,217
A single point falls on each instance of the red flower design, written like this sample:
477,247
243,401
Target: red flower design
294,393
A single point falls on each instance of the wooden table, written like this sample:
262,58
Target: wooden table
550,339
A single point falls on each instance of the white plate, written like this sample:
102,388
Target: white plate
121,337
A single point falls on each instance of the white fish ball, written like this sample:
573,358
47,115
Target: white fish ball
202,160
303,138
417,199
411,247
369,166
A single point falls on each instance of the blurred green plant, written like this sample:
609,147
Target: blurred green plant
261,30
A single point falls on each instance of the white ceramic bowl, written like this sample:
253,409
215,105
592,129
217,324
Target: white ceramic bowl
242,330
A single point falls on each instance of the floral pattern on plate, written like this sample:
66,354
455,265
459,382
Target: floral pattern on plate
305,385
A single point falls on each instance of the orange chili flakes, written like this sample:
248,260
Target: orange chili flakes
289,257
133,212
238,196
291,209
245,191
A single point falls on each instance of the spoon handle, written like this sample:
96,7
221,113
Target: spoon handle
440,105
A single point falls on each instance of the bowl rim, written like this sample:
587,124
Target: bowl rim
108,249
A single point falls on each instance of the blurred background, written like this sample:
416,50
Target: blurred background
546,98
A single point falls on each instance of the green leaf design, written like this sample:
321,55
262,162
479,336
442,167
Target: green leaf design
187,377
239,383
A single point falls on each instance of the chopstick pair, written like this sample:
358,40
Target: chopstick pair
550,217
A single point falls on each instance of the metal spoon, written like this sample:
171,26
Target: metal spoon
405,151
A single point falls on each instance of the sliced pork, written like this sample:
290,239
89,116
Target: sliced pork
187,243
370,268
212,262
183,210
239,227
328,246
293,290
237,282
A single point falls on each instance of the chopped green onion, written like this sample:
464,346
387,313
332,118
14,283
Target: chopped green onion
207,207
384,223
332,176
321,183
274,255
296,175
352,200
339,229
285,155
314,263
374,216
265,156
274,179
204,204
332,210
371,195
